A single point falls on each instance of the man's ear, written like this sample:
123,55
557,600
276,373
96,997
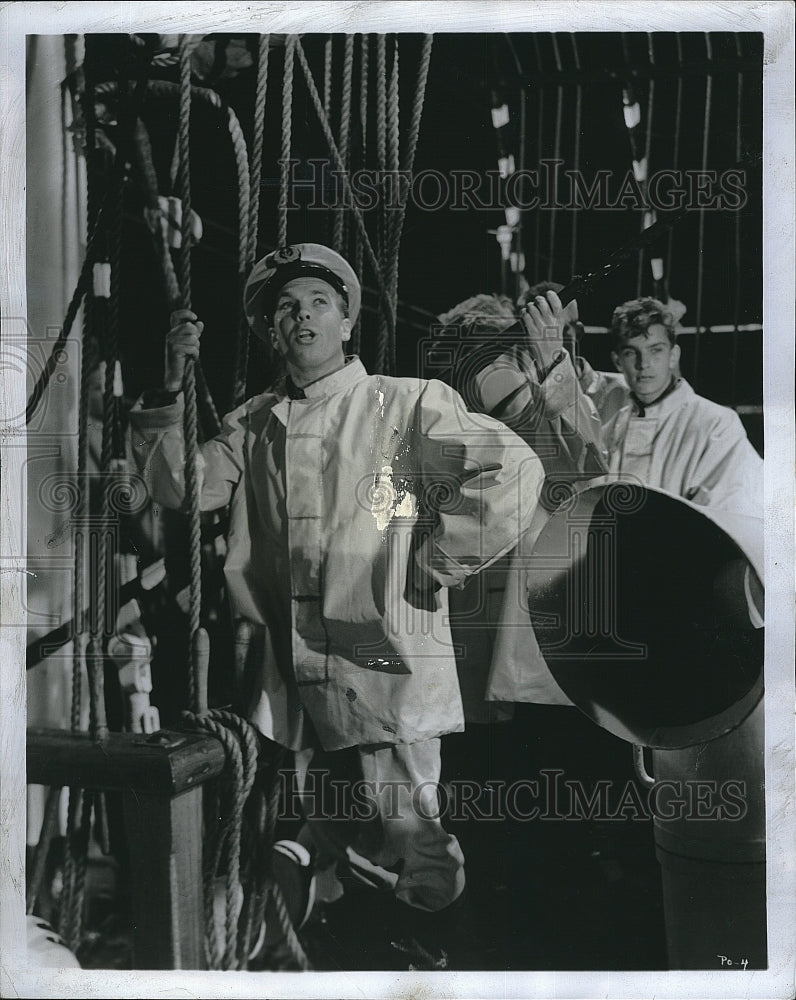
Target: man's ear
615,359
345,330
674,357
274,339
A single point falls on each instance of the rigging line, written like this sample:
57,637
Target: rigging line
251,225
190,423
573,257
381,139
701,240
556,153
537,235
287,117
327,132
363,124
392,233
327,77
338,238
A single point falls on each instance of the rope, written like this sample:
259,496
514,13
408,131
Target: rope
556,152
363,124
701,242
255,174
371,256
291,42
408,165
573,259
189,379
537,232
327,76
345,134
48,825
392,232
256,169
239,740
381,140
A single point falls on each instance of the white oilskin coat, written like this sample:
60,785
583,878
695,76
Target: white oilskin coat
323,533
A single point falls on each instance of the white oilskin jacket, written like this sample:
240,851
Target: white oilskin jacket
325,495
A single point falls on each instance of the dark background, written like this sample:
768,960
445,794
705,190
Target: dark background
447,254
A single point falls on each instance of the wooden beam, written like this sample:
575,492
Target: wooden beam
165,762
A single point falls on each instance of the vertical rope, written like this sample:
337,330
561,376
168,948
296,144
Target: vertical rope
381,135
701,240
287,117
338,239
190,428
556,153
327,77
392,218
327,133
573,256
363,124
537,235
250,253
256,169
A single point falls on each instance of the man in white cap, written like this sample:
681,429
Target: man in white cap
340,557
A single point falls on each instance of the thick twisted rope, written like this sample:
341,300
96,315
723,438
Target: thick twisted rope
556,155
190,426
256,169
255,177
363,124
576,154
390,262
338,237
327,76
327,132
408,165
239,741
291,42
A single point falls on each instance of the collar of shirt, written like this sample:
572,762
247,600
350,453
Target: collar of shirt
351,372
675,384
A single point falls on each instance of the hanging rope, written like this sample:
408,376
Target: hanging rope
390,260
327,77
537,235
327,132
701,240
250,254
408,166
287,117
573,256
363,125
556,154
381,139
190,426
338,237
